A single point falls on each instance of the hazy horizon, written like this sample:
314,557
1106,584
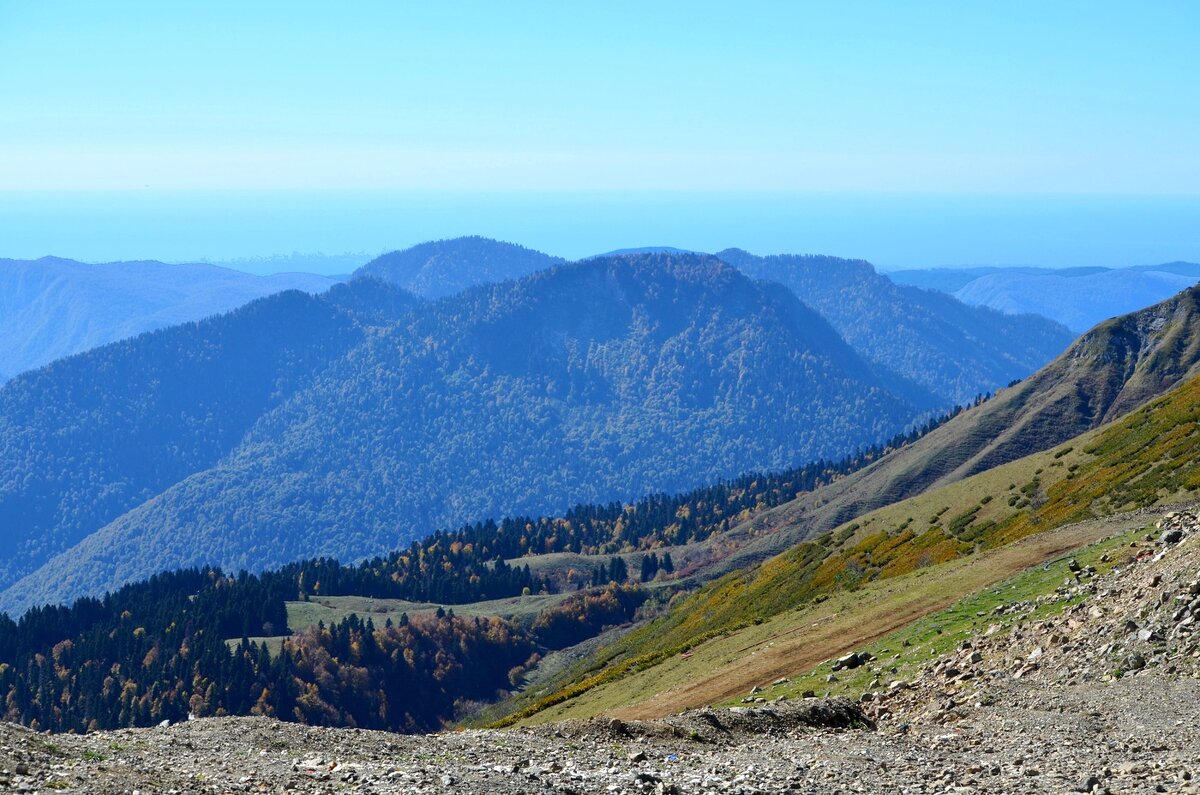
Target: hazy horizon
915,135
893,231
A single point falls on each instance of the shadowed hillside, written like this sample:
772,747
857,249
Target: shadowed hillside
51,307
953,350
90,437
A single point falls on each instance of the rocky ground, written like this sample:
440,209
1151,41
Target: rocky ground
1102,697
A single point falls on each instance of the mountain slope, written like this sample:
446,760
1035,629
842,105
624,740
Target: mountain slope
599,380
955,351
50,308
1079,298
443,267
1106,373
87,438
1144,459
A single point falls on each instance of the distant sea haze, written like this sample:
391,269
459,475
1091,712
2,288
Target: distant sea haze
891,230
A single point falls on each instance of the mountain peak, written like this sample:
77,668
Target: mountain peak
438,268
50,259
645,250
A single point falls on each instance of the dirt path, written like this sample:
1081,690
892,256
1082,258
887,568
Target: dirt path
785,653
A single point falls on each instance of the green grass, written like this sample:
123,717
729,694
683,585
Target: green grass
333,609
901,655
274,643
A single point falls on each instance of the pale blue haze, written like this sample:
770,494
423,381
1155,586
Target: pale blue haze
908,133
890,230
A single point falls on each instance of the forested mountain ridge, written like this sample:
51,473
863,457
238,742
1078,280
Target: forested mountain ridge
54,307
89,437
953,350
604,379
443,267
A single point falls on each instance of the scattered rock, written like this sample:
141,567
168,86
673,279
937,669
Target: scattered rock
852,660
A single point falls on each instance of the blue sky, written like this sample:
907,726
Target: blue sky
1014,97
910,134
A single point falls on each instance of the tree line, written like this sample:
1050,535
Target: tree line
168,647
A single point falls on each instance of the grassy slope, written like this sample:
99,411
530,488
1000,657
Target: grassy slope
731,661
335,609
1146,458
1109,371
906,651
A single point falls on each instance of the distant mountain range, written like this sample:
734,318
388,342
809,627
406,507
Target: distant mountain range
954,351
337,266
1079,298
51,307
951,351
349,423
